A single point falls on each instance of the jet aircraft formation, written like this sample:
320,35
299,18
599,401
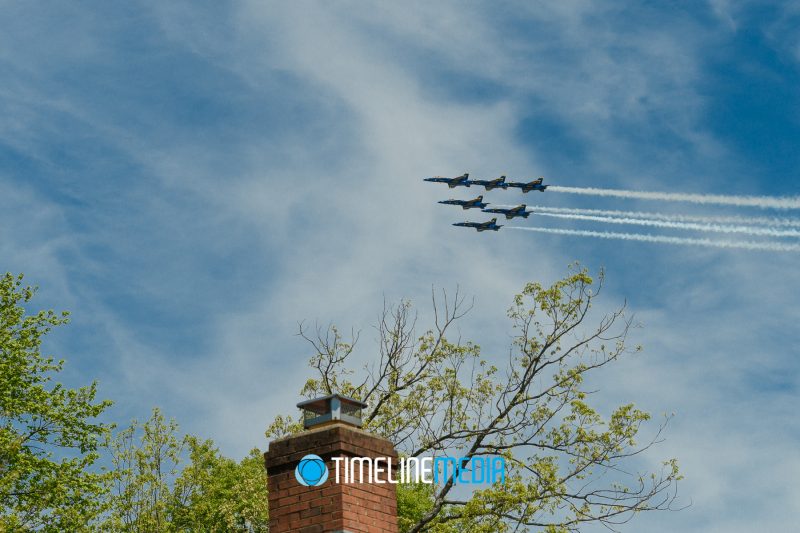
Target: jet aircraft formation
478,203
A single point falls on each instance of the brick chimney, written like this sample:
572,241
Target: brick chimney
319,504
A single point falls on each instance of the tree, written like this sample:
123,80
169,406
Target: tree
167,482
432,396
49,438
145,458
217,494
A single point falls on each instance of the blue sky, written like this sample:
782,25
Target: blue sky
191,180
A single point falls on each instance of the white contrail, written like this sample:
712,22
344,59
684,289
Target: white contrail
747,230
763,202
703,219
747,245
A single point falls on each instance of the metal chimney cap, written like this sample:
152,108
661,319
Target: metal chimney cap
334,407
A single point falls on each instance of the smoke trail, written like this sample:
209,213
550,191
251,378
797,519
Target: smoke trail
703,219
747,245
763,202
747,230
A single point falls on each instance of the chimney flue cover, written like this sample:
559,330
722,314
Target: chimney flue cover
332,408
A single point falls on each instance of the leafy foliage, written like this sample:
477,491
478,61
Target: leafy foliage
49,440
415,501
215,493
165,482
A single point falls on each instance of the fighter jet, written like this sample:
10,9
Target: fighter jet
481,226
518,211
530,186
499,183
467,204
452,182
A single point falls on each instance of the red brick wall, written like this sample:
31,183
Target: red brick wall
357,507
